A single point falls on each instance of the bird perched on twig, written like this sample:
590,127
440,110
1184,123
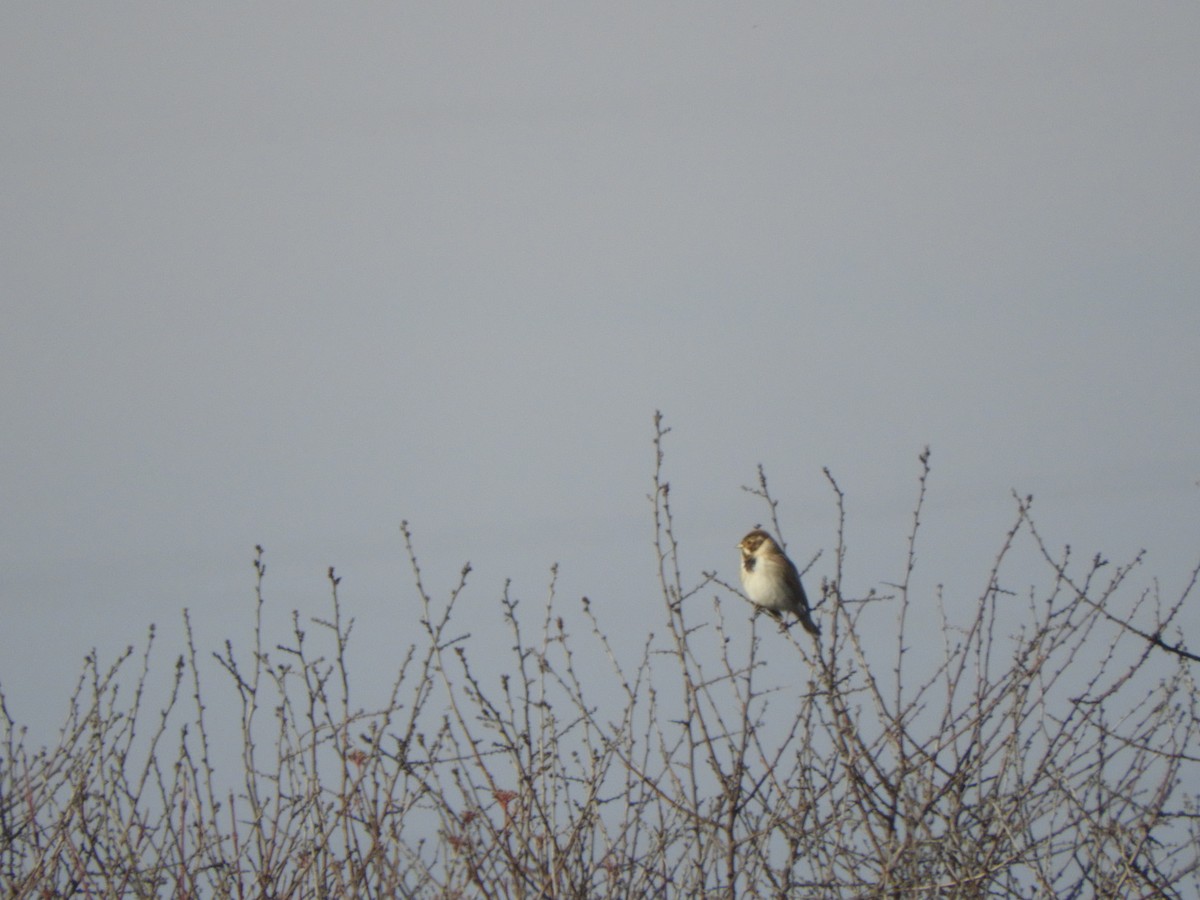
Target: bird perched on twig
772,581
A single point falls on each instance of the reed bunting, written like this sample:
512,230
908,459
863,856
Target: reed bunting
771,580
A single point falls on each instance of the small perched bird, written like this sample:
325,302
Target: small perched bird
771,580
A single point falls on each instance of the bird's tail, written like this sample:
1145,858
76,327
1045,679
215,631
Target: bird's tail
810,626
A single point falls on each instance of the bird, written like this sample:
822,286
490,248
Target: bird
772,581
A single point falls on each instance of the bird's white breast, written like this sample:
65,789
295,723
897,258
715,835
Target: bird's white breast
766,585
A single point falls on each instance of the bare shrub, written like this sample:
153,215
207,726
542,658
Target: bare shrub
1037,743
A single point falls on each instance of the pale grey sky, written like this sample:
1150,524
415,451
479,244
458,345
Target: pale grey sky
286,274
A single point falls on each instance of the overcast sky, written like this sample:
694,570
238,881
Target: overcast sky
284,274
